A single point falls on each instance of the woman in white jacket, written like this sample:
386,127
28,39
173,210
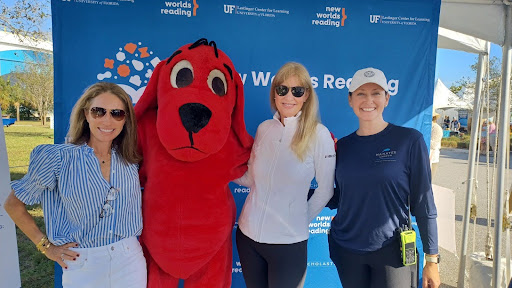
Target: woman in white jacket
289,151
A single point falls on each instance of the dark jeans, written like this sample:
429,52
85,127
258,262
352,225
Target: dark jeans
272,265
381,268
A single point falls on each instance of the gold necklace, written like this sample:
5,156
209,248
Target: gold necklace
104,161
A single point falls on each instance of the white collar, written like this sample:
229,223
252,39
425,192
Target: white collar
288,120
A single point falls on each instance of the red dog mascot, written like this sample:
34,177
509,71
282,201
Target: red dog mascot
193,139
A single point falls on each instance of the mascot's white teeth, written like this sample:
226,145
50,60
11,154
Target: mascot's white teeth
368,109
106,130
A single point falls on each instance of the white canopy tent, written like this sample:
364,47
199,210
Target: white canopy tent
444,98
489,20
448,104
484,19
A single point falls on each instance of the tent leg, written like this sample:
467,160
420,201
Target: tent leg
482,59
502,149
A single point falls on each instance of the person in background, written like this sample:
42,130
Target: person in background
446,122
435,143
455,125
382,175
492,135
483,138
90,194
289,151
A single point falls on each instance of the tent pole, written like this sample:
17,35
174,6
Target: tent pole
473,143
502,149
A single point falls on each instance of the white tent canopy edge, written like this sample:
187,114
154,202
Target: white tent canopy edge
453,40
484,19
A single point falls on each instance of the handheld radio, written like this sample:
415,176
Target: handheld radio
408,246
408,242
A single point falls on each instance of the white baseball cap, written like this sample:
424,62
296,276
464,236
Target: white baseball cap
368,75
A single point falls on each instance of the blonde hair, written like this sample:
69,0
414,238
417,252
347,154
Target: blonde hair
310,118
79,132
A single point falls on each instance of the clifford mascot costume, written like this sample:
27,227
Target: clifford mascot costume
193,139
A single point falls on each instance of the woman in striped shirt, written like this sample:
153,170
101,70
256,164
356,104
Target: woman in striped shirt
90,194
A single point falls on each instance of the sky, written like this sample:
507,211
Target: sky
451,65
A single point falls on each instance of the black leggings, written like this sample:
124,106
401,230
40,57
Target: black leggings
272,265
381,268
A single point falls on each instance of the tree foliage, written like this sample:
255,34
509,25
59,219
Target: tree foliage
456,88
5,100
491,83
36,82
26,19
10,94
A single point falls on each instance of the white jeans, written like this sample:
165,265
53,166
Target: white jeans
120,264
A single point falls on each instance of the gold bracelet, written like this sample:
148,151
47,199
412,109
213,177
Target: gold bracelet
43,244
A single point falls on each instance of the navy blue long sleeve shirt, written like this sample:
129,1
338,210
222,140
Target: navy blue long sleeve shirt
375,176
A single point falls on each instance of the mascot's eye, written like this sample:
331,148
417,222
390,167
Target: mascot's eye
182,74
217,82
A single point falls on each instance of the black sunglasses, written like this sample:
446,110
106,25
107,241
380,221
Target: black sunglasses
98,112
297,91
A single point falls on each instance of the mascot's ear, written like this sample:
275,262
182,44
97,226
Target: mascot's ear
237,118
148,99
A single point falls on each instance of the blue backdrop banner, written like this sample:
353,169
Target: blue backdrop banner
121,41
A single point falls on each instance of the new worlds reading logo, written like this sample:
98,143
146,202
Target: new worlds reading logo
332,16
180,8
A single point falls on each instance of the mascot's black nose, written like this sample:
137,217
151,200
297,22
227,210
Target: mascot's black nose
194,116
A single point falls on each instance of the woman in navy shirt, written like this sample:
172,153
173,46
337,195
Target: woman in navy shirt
382,173
90,194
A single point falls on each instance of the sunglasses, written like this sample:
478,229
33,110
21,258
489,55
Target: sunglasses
297,91
98,112
107,208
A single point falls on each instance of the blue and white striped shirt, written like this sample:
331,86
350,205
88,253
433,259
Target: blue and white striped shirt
66,179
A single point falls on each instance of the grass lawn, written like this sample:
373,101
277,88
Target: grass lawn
36,270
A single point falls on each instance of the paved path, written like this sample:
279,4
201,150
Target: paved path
452,173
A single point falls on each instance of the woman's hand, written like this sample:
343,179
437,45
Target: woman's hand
61,253
431,278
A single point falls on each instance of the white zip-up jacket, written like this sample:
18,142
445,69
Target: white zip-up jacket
276,210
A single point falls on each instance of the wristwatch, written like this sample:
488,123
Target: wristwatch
433,259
